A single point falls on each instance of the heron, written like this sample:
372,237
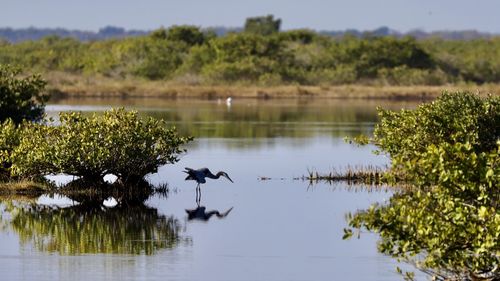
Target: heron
199,176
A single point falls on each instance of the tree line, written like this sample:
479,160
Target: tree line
262,54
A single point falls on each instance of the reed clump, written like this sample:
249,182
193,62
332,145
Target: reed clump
24,187
369,175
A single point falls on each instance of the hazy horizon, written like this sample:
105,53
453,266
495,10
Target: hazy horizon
399,15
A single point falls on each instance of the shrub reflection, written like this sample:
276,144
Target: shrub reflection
90,227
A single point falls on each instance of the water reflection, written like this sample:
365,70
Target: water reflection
200,213
275,138
440,234
91,227
249,118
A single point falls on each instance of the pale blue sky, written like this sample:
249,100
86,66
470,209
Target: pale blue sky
402,15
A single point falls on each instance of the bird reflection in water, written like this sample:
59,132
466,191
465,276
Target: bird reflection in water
200,213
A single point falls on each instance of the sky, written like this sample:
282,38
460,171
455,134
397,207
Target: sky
400,15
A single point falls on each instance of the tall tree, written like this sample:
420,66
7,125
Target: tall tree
263,25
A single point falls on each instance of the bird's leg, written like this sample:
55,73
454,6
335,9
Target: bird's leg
198,194
198,200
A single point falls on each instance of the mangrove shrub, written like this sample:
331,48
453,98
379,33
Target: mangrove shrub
118,142
459,117
449,229
447,222
21,98
9,140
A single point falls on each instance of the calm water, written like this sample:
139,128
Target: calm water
278,229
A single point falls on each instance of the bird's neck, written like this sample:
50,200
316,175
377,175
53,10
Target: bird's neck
212,176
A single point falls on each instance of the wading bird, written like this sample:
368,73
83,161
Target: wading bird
199,176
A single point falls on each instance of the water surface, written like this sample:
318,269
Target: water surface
277,229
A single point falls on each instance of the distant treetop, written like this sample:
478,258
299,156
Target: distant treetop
264,25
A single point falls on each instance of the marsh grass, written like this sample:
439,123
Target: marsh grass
352,175
25,187
64,85
80,190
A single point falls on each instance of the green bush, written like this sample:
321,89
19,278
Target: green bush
21,98
118,142
454,117
9,140
304,36
470,60
448,226
402,75
246,57
157,59
191,35
446,222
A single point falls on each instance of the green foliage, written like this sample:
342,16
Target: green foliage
289,57
449,228
370,55
156,59
402,75
303,36
246,57
119,142
9,140
21,98
472,60
448,222
265,25
453,118
191,35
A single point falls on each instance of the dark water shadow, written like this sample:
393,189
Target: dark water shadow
200,212
90,226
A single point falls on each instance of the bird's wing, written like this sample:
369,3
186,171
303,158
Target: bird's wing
197,175
204,170
191,174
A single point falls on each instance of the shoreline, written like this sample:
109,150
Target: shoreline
62,86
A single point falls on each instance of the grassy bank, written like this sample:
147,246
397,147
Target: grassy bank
23,187
66,85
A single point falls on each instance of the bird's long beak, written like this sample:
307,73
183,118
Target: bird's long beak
229,178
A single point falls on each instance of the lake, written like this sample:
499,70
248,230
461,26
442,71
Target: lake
272,224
